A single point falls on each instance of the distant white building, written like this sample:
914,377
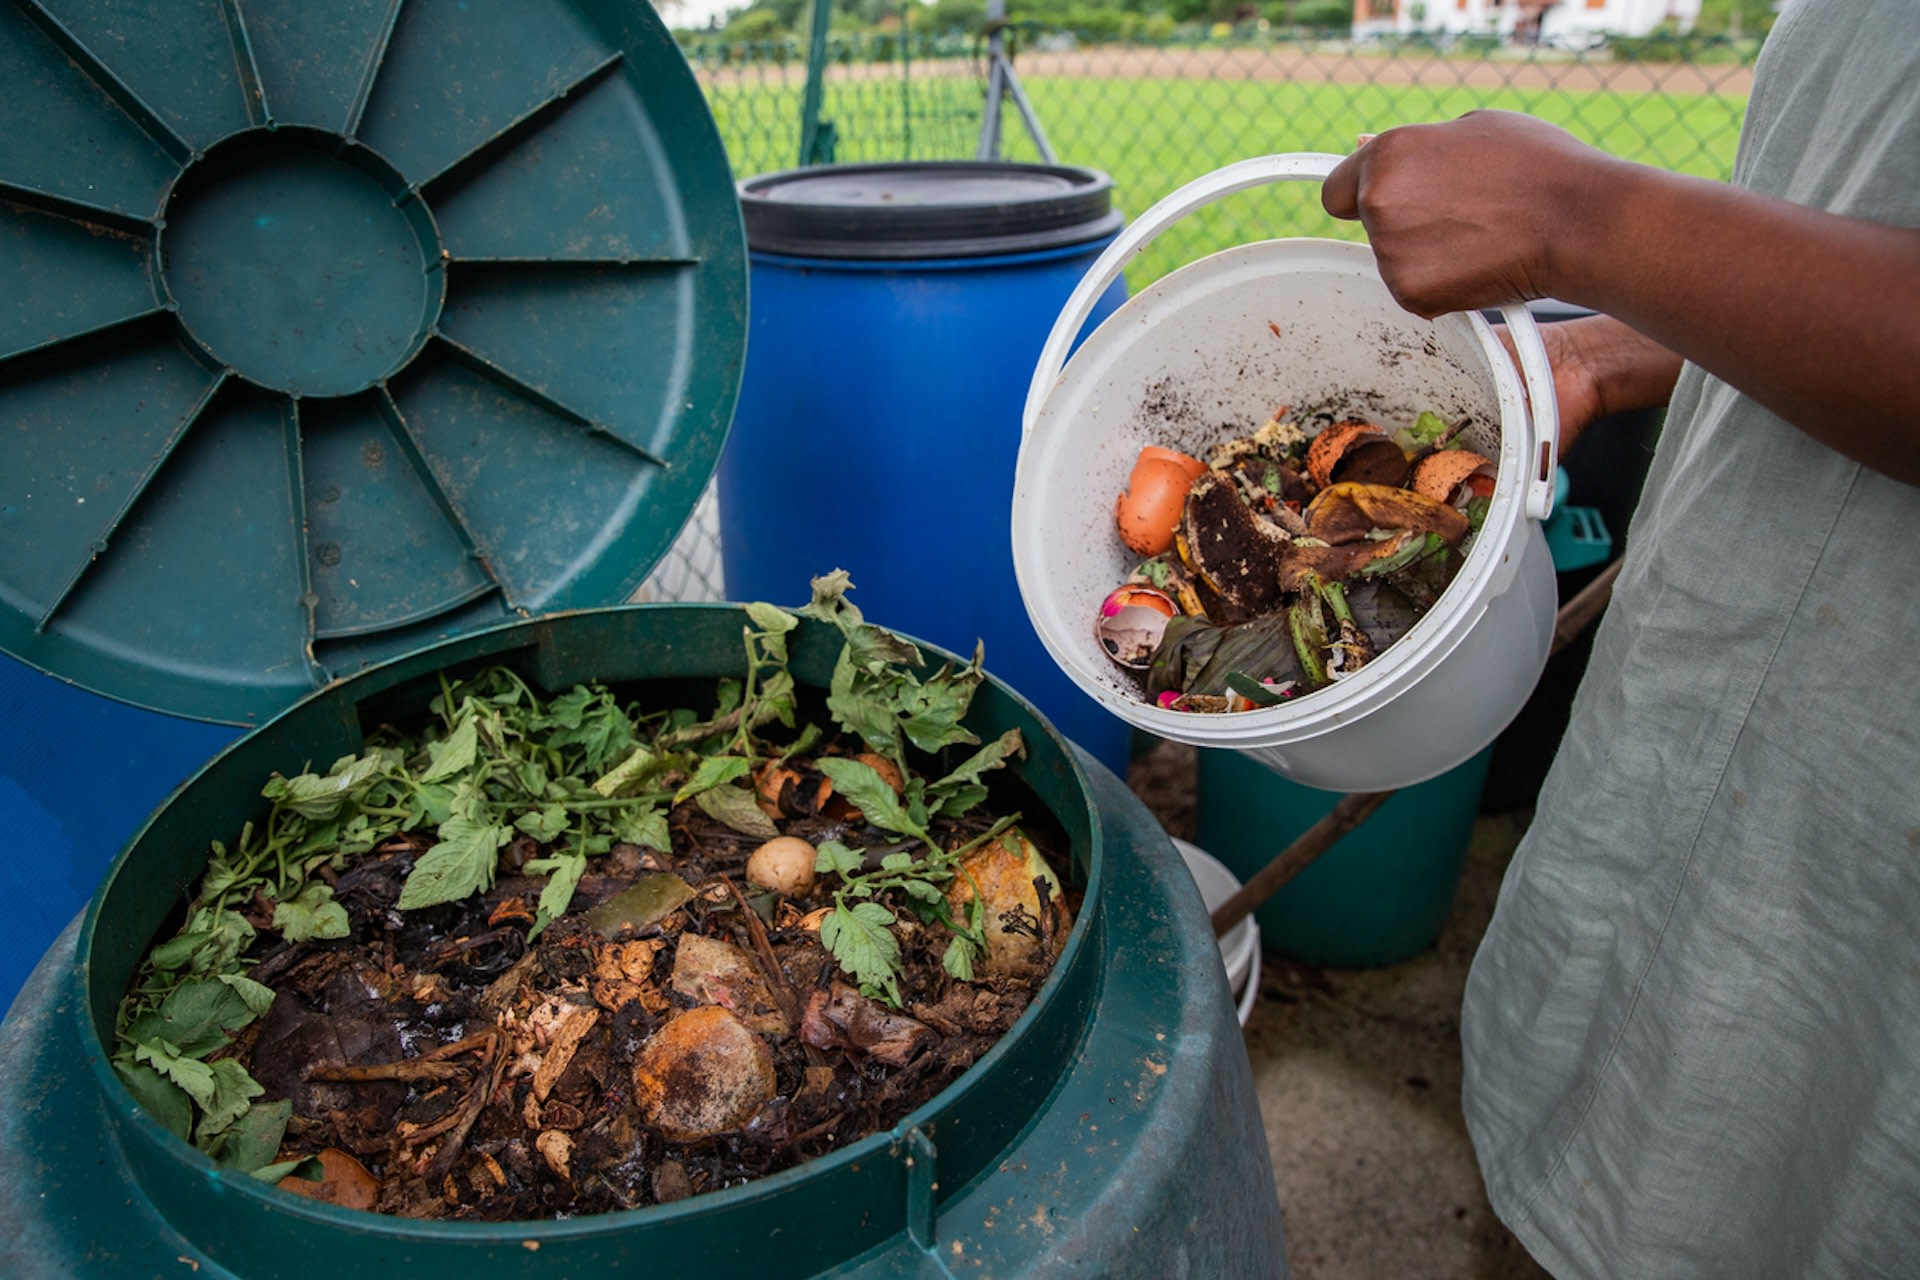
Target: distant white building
1571,23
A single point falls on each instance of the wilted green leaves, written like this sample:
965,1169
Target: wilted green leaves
574,773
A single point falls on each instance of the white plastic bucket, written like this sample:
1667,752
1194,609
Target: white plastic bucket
1240,945
1209,352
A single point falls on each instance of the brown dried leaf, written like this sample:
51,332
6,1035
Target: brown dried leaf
556,1148
344,1181
574,1024
842,1018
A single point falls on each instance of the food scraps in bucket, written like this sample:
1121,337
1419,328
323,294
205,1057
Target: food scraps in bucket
547,956
1289,560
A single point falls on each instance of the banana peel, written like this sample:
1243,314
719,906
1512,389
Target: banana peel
1349,512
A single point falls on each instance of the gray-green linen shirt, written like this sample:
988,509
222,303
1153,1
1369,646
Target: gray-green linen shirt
1692,1033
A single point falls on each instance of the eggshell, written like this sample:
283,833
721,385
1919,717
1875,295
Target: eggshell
1133,619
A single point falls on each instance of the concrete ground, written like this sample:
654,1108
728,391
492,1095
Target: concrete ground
1358,1075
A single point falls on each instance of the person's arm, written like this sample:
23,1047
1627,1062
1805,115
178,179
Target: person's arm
1814,315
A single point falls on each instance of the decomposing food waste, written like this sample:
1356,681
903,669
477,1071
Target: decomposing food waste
1288,559
554,955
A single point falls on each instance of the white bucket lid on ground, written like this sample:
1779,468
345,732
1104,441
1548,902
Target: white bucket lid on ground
1240,946
1209,352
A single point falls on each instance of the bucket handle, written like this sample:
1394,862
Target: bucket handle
1540,414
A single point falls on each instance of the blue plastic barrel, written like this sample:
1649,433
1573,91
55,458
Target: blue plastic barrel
895,316
78,775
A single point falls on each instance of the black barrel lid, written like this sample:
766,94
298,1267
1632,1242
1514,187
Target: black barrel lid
926,209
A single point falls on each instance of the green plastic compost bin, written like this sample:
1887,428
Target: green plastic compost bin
350,345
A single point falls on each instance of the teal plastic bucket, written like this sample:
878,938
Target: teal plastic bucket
1379,896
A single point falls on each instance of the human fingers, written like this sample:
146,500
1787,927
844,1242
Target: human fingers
1576,398
1340,191
1451,211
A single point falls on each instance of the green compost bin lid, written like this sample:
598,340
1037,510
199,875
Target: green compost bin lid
329,330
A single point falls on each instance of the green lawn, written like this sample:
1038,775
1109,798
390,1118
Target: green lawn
1154,134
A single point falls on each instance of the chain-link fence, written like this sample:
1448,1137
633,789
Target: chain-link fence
1156,115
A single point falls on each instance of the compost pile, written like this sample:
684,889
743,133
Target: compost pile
555,956
1289,559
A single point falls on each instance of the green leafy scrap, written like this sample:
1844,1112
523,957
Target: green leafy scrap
198,1015
860,937
737,808
321,796
194,1077
714,771
857,706
964,948
835,857
545,824
774,623
592,720
644,827
233,1093
251,1141
462,862
311,914
563,877
1427,431
962,789
931,711
455,754
162,1099
862,784
633,771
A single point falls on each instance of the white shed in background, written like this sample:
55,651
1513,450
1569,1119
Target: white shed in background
1567,23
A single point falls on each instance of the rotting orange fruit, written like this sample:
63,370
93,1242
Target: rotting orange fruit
1149,511
702,1074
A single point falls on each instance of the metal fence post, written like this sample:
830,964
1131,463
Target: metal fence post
817,136
1003,83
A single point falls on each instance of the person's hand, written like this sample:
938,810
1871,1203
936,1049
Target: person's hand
1466,214
1601,367
1785,303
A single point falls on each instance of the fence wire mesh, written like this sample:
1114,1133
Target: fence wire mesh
1155,115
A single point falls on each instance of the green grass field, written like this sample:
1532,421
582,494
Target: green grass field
1153,134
